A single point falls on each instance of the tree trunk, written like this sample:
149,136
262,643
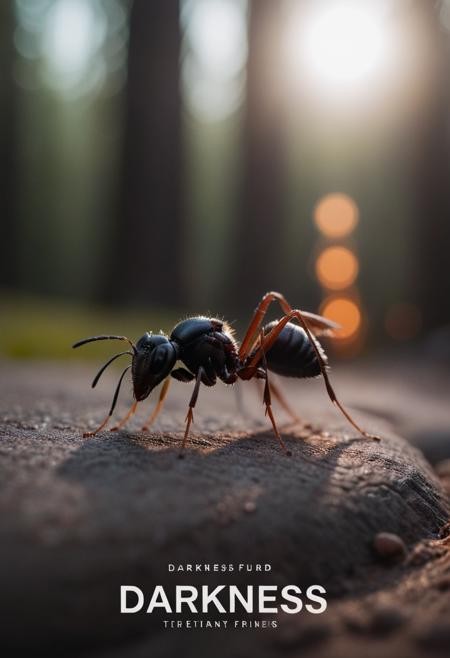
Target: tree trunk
258,261
8,249
147,255
432,174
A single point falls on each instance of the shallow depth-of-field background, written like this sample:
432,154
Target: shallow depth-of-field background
164,158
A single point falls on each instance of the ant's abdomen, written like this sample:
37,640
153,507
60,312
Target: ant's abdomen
292,354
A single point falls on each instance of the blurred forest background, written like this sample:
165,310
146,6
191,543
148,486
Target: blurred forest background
167,157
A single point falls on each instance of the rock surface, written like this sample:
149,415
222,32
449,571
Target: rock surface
80,516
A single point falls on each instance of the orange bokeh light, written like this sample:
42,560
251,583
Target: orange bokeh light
336,215
337,267
345,312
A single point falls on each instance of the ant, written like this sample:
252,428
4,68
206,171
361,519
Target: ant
208,350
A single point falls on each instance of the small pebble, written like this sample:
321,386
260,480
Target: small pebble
249,506
388,545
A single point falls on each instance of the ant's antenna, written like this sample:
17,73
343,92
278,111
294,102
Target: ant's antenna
116,394
93,338
103,368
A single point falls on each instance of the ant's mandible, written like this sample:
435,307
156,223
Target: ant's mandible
208,350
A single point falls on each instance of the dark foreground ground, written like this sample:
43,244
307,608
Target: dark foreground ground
80,517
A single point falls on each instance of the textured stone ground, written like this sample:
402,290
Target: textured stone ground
81,516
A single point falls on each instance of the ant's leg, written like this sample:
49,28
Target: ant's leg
241,407
159,406
268,402
270,338
258,317
317,323
278,395
125,419
192,403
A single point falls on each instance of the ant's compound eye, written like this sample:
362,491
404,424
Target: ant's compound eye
158,359
162,358
152,363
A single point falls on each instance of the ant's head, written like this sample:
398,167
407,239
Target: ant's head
154,358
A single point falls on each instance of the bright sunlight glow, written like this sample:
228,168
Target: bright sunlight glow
73,32
216,32
341,42
216,52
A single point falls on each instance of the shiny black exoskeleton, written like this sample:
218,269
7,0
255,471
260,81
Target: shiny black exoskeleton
293,354
208,343
208,351
200,342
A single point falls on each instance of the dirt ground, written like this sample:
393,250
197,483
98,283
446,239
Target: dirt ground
81,516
